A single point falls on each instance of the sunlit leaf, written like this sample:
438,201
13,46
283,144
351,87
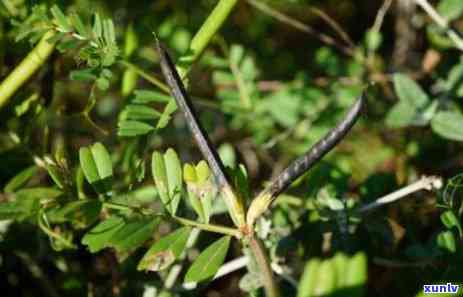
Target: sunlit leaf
166,114
133,128
60,19
448,124
209,261
147,96
97,166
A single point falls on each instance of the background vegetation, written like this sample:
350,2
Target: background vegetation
87,123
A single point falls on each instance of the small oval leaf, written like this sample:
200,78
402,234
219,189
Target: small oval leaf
209,261
448,124
164,252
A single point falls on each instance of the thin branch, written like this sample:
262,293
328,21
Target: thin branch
262,260
377,25
260,204
240,263
163,87
441,22
202,38
209,227
380,15
333,24
154,80
264,8
234,205
425,183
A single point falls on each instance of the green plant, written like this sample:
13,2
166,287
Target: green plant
97,156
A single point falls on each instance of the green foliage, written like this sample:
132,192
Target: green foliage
137,118
133,233
19,180
199,186
208,262
341,274
97,166
412,103
99,237
448,124
167,174
265,92
164,252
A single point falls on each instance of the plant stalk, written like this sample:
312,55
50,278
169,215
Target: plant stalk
202,38
28,66
301,165
209,227
262,260
425,183
441,22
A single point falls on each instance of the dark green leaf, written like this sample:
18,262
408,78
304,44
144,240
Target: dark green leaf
134,233
98,238
446,241
81,213
450,220
20,179
133,128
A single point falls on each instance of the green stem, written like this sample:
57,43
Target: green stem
262,260
202,38
183,221
163,87
209,227
146,76
33,61
43,226
117,206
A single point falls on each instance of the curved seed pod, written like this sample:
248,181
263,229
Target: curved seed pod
303,163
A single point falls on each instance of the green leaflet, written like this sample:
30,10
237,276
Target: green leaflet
97,166
164,252
167,175
199,186
20,179
209,261
98,238
448,124
133,233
